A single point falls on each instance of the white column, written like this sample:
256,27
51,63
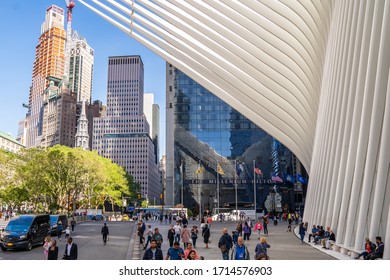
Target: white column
386,253
375,183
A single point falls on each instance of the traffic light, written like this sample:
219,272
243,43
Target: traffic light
139,196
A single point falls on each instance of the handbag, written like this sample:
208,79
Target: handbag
223,248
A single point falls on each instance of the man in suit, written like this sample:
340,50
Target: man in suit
70,250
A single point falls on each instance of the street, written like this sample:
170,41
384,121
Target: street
89,241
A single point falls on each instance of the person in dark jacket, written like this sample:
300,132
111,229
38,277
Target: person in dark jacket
225,243
153,253
105,233
73,223
206,235
261,248
52,253
70,250
171,235
302,231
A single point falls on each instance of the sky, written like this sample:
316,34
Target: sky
20,29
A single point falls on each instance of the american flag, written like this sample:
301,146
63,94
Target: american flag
258,171
276,178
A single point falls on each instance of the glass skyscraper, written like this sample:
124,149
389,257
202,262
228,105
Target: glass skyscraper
207,133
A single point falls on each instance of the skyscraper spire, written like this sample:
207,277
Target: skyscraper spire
70,5
82,136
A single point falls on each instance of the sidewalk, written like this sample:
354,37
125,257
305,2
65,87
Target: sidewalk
3,223
284,245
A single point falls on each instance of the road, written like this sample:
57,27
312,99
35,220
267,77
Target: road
90,244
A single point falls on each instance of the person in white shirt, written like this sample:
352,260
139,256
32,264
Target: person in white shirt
148,235
177,229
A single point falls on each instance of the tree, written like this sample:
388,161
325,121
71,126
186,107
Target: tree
32,177
56,178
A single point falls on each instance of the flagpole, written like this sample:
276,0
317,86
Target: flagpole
200,195
235,183
254,186
217,190
182,185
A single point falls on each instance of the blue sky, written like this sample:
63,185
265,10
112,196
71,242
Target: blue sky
21,23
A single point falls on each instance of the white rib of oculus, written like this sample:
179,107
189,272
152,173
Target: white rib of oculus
314,75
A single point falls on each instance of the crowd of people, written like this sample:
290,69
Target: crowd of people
183,240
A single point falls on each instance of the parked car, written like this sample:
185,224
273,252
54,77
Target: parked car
54,220
25,231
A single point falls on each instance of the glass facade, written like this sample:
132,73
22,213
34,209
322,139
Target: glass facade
207,132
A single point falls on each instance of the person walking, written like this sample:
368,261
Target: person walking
189,250
157,237
53,251
250,225
206,235
246,231
194,235
67,233
258,227
209,222
153,253
239,228
175,252
261,248
71,251
225,243
192,255
148,235
171,235
177,229
265,224
59,230
105,233
240,251
302,231
73,224
185,236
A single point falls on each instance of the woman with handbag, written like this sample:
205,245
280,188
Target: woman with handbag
194,235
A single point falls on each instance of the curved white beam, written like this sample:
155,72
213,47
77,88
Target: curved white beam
313,74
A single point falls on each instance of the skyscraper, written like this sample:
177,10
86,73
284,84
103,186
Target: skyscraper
59,115
81,60
67,59
123,134
49,61
206,133
152,114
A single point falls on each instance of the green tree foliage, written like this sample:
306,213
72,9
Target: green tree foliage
61,179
